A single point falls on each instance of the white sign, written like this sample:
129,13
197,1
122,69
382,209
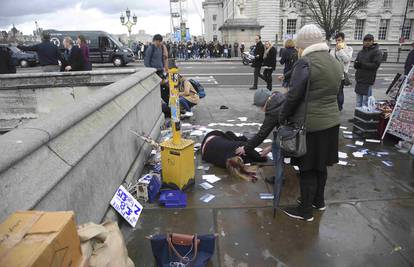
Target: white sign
126,205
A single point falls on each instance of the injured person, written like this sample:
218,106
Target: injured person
219,149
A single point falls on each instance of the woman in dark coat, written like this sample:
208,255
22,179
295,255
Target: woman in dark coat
269,64
81,41
323,73
288,57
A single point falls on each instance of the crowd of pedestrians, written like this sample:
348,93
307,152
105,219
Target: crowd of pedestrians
194,49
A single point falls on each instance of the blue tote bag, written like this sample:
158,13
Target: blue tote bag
178,250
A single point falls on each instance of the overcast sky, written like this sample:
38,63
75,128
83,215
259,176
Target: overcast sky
153,15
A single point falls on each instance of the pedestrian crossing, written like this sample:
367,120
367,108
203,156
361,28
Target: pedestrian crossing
206,80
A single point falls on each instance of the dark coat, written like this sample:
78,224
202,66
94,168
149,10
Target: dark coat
74,59
47,52
258,55
273,108
288,57
409,62
6,62
325,74
270,60
366,64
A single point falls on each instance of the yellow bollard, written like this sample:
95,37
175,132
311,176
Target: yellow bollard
177,154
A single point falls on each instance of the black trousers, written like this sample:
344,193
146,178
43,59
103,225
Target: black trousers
312,189
256,75
267,77
340,96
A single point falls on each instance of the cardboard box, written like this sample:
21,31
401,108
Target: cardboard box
39,239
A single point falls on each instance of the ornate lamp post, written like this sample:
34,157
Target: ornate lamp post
128,23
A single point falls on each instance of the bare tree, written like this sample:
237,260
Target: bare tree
331,15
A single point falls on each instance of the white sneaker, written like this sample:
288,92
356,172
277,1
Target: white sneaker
188,114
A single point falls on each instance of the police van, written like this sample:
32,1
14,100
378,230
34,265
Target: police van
103,47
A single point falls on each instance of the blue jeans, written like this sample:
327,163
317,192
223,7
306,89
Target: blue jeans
362,100
185,104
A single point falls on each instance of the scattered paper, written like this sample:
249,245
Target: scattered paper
296,168
207,198
267,141
196,133
203,168
343,163
266,196
383,153
342,155
126,205
343,127
186,125
346,132
258,149
388,163
373,141
206,185
358,154
359,143
242,118
230,120
349,145
286,160
348,136
211,178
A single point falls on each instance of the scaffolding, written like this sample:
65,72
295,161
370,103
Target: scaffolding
178,11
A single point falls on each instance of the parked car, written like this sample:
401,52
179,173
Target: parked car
103,47
22,59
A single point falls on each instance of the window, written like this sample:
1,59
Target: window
214,27
214,17
291,26
383,29
407,29
359,29
215,38
282,3
387,3
410,3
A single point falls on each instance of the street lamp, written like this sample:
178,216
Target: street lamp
128,23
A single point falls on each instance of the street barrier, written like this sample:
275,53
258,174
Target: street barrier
76,157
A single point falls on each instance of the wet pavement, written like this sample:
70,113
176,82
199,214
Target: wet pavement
369,219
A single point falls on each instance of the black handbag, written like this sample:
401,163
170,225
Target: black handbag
347,82
292,137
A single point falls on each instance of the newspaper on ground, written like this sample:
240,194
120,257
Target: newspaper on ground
203,168
342,162
342,155
373,141
211,178
358,154
359,143
207,198
266,196
206,185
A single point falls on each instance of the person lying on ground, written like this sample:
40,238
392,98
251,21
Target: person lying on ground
219,148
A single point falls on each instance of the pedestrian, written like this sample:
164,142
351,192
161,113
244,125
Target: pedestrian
81,41
366,64
269,64
6,62
271,105
188,96
225,50
258,60
47,52
236,49
409,62
288,57
229,51
343,54
154,56
316,77
73,57
242,46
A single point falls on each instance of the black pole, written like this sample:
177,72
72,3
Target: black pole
402,30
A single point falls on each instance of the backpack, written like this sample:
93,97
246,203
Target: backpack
198,87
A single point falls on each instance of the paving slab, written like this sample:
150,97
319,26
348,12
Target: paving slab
338,237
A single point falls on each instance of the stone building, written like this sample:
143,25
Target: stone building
281,19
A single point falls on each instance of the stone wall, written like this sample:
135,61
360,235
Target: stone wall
76,157
24,97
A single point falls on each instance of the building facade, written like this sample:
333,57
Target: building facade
281,19
213,19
